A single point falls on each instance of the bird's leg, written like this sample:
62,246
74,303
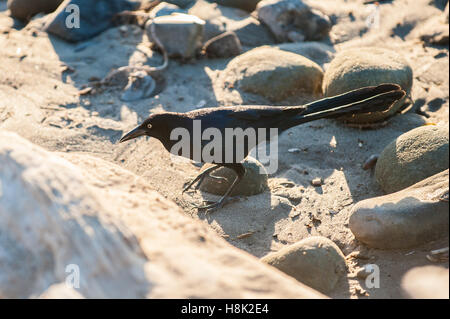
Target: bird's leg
240,172
220,202
200,177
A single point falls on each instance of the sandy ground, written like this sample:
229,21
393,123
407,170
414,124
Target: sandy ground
41,76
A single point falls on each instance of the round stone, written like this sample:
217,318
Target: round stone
253,182
412,157
315,261
272,73
224,45
359,67
408,218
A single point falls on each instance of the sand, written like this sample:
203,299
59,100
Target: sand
42,75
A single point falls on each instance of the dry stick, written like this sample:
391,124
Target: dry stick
439,251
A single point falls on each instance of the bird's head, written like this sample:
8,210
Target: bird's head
150,127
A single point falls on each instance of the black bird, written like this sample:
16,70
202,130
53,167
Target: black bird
364,100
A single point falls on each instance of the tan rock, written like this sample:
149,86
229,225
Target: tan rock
125,239
315,261
407,218
427,282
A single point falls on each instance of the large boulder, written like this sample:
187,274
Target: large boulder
293,20
94,17
358,67
26,9
274,74
412,157
408,218
72,225
315,261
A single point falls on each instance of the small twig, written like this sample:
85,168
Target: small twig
439,251
245,235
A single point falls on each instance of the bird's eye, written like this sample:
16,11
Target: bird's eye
149,126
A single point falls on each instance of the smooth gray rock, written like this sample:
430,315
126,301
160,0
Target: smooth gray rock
254,181
293,20
359,67
273,73
223,46
94,17
26,9
412,157
408,218
315,261
180,34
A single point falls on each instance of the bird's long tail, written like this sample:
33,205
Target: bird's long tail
364,100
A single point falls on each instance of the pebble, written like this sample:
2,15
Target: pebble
224,45
317,182
363,272
315,261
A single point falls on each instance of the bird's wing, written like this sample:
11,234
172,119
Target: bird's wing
255,113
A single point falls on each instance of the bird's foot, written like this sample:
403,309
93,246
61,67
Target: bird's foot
210,205
200,177
220,179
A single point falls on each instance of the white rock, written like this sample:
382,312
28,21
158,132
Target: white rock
180,34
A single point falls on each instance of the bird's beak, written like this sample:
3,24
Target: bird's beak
133,134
